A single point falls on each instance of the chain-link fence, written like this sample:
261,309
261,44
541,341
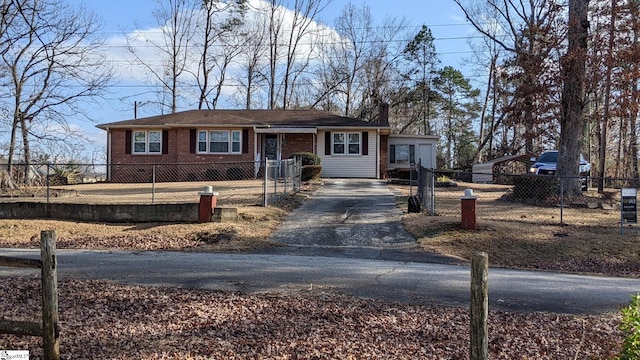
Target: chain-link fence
237,183
535,199
281,179
425,187
421,186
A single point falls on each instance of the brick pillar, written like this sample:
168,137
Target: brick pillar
208,201
468,208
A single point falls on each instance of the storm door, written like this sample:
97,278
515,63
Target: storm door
271,146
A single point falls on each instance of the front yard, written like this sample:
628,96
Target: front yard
111,321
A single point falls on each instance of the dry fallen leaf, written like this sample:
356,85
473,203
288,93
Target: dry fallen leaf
103,320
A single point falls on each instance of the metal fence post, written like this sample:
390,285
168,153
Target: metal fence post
300,173
561,199
299,164
420,184
48,183
432,190
411,179
276,174
153,184
287,163
266,181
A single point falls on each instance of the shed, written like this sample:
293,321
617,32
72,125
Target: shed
405,150
483,173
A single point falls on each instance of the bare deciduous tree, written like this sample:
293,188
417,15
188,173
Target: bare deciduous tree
381,77
251,62
288,32
218,46
53,65
355,27
532,32
175,21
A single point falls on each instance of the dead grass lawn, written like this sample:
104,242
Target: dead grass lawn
230,193
513,234
524,236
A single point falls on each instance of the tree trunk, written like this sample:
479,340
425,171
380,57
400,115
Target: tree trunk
571,121
12,142
485,105
607,101
633,140
27,151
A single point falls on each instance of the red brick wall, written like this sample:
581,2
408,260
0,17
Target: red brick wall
139,168
294,143
384,155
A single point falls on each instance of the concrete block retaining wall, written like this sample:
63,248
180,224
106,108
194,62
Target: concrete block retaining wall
179,212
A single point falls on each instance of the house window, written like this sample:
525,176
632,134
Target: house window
402,154
220,141
147,142
235,141
346,143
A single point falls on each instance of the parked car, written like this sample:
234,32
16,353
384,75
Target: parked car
547,164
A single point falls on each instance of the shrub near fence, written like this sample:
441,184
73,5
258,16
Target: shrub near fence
310,162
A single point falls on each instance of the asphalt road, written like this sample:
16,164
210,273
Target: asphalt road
346,239
411,282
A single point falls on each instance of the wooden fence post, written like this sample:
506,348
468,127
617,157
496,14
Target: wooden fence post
50,331
479,306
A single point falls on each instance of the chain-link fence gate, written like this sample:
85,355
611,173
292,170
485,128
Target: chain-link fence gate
425,186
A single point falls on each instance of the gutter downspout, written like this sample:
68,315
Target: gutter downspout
378,165
109,157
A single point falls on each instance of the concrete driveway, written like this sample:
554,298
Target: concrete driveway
350,218
346,213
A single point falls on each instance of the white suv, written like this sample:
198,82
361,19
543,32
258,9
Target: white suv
547,164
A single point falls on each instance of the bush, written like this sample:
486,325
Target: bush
310,172
535,187
631,326
402,174
307,158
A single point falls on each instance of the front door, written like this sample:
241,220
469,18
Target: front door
271,146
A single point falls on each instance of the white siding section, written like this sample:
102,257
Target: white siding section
349,166
425,149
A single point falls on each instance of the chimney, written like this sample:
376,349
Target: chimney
383,115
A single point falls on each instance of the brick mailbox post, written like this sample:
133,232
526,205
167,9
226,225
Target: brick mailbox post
468,205
208,201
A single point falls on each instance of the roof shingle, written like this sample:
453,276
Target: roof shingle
258,118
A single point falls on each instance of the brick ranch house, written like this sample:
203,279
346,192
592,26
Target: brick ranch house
184,145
